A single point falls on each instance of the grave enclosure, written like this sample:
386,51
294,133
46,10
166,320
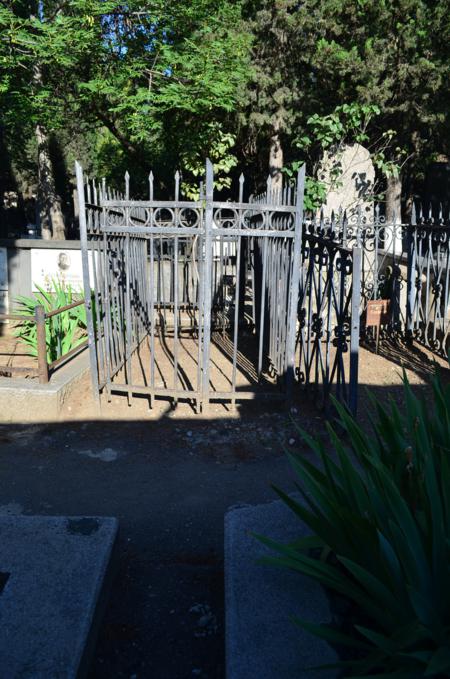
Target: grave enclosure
210,301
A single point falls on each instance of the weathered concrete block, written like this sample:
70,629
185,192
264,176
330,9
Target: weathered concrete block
52,571
25,400
261,640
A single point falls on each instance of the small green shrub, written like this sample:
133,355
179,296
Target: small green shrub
63,332
380,516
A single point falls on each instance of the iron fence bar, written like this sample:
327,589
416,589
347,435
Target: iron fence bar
86,281
175,288
262,307
207,277
127,333
107,316
201,295
39,313
69,354
236,320
355,329
60,310
172,232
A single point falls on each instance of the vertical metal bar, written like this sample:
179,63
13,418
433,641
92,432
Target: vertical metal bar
39,315
128,334
263,303
295,284
106,301
410,281
207,280
354,336
86,282
175,287
152,316
236,320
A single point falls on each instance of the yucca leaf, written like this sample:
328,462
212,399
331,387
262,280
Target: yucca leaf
439,662
331,635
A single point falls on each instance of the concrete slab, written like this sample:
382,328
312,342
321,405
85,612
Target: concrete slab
52,573
25,400
261,640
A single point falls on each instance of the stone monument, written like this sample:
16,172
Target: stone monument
349,176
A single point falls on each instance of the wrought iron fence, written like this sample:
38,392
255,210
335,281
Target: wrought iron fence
165,270
404,263
199,300
328,337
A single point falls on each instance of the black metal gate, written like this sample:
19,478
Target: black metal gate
193,300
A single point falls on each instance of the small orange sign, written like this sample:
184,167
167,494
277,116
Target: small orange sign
378,311
378,314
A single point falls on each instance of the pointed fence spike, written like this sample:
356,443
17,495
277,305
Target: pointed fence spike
177,185
127,185
150,185
241,187
209,179
269,189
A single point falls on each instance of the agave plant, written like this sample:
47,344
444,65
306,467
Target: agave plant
380,514
63,332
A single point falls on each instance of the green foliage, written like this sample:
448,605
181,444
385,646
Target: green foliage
346,123
220,153
63,332
381,511
160,85
315,190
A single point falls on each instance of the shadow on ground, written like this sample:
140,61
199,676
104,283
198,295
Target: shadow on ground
169,481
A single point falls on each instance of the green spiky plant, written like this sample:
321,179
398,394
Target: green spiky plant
380,514
63,332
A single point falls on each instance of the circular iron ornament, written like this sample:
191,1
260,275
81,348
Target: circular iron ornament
139,216
226,218
252,219
189,217
164,216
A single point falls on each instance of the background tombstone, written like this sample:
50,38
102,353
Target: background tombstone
350,176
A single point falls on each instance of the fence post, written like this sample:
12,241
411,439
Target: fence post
207,276
354,329
39,314
410,276
295,285
87,283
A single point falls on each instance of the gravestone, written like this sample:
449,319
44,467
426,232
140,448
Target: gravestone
53,572
349,176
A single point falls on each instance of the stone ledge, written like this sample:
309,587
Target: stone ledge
261,640
25,400
54,569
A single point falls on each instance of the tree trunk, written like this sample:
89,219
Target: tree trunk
276,156
394,200
51,216
50,212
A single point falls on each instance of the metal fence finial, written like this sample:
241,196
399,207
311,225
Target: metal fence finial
241,187
127,185
150,185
